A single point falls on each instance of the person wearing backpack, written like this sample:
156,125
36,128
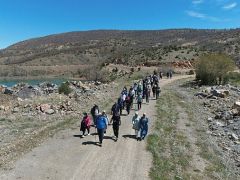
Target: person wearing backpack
94,112
128,104
116,122
120,105
115,108
135,124
101,125
143,124
85,124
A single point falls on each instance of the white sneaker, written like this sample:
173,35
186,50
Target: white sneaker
88,134
83,136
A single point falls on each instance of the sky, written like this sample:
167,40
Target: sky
24,19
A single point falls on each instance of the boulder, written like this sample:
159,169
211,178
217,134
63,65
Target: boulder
50,111
15,110
45,107
233,136
220,93
235,112
2,107
237,105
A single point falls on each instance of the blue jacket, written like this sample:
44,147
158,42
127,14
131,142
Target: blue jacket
101,122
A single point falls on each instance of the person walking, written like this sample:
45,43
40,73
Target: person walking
128,104
101,125
94,112
158,90
139,101
154,88
116,122
143,124
85,124
135,123
120,105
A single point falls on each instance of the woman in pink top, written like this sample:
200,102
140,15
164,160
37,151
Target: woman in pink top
85,124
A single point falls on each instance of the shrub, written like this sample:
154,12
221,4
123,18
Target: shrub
213,69
234,78
64,89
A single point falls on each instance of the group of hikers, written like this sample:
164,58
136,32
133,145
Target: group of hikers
139,91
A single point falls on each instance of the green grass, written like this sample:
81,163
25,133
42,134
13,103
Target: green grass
168,146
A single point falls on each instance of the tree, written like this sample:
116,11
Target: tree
64,89
213,69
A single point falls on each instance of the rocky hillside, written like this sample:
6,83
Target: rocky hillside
123,47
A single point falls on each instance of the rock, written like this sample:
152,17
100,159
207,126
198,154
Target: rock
220,93
8,91
15,110
201,94
50,111
237,105
2,107
210,119
235,112
233,136
19,99
219,124
97,83
45,107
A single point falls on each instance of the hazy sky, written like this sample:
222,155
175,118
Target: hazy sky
24,19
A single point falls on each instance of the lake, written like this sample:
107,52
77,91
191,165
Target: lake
10,83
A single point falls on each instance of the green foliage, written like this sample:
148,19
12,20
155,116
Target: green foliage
64,89
213,69
233,78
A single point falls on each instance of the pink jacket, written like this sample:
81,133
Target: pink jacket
87,121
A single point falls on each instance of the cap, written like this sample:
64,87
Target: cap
144,114
136,112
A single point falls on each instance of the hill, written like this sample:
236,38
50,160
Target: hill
54,54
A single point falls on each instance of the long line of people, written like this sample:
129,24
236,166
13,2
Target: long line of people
139,91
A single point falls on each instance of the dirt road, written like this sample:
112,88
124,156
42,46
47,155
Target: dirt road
67,156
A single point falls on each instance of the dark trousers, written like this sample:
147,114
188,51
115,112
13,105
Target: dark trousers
100,135
116,130
147,98
88,130
139,105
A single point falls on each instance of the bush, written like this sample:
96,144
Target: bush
234,78
64,89
213,69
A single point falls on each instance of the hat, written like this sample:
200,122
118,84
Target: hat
144,114
136,113
103,112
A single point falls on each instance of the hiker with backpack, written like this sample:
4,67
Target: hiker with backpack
135,124
128,104
85,124
154,88
143,124
94,112
120,105
131,95
101,125
116,122
115,108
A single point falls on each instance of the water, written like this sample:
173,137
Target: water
10,83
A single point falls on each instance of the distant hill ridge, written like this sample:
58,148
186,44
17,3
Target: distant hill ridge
122,46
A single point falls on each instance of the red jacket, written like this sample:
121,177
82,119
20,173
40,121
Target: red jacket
87,121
